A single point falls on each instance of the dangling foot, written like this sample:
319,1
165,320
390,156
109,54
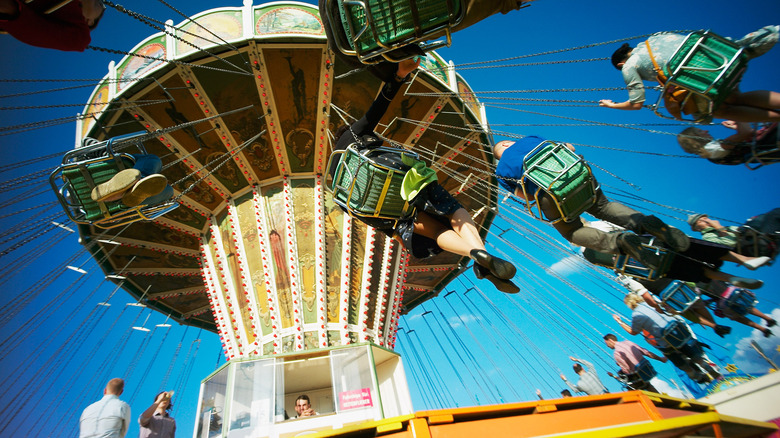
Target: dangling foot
771,323
756,262
146,187
676,239
767,333
747,283
114,188
722,330
504,286
631,244
502,269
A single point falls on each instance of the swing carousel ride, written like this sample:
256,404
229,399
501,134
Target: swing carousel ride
240,103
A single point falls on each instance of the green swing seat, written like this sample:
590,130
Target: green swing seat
709,67
86,167
374,28
367,183
563,175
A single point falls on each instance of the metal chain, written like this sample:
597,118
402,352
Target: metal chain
67,105
587,46
526,64
36,160
15,182
46,123
550,90
53,90
171,61
532,99
584,120
149,21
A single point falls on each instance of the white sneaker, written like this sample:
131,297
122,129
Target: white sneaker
756,263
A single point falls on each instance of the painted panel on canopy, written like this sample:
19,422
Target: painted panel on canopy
352,93
436,66
147,258
294,75
288,343
95,108
446,133
185,302
287,19
334,338
311,340
357,254
151,53
334,226
274,206
208,30
376,287
407,106
160,234
247,220
231,264
160,283
473,197
467,95
304,209
187,216
228,92
222,166
199,139
423,275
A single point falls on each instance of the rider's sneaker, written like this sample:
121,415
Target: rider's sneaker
146,187
116,187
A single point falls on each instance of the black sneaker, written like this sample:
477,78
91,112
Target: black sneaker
676,239
771,323
504,286
722,330
631,244
501,268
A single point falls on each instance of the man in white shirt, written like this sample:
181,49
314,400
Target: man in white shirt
109,417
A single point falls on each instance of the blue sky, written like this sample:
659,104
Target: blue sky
63,347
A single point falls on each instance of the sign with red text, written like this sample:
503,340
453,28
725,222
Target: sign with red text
358,398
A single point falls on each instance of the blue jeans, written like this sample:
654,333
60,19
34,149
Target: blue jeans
149,165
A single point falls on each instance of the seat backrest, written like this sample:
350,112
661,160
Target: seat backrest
679,296
368,183
644,369
563,175
741,301
676,334
393,23
708,64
